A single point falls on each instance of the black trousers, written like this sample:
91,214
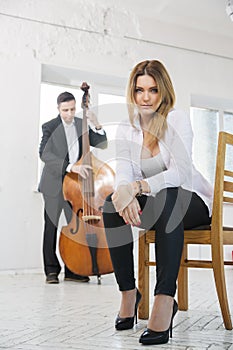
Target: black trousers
52,213
169,213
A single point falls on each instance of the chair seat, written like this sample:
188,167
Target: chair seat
208,228
200,228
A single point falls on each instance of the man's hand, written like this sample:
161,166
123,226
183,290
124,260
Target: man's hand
82,170
93,118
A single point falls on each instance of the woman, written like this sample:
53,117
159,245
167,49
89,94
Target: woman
157,187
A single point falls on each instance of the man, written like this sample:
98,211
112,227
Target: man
60,149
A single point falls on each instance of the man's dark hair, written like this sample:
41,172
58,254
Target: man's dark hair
65,97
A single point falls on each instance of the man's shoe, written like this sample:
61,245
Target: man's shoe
76,278
52,278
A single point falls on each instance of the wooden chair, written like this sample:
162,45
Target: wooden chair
215,235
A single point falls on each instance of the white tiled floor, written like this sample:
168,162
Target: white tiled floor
37,316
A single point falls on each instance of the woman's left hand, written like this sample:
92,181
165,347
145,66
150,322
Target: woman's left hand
131,214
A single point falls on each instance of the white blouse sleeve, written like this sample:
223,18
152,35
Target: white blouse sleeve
124,169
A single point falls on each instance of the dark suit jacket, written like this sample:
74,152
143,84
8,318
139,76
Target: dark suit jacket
54,153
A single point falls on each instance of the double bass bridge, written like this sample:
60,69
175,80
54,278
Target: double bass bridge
87,218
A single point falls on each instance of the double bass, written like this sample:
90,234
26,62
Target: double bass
83,245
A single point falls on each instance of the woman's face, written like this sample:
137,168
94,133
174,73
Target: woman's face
146,95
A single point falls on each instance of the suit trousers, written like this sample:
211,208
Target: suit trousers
170,212
52,213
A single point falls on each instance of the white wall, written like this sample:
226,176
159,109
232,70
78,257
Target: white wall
91,37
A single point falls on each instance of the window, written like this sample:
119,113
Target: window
228,126
110,98
206,125
205,130
48,106
228,122
48,100
111,108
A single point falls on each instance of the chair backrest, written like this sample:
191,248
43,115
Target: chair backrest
223,180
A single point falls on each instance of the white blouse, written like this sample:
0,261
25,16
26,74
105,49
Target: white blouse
152,166
176,153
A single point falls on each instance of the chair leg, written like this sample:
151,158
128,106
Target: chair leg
183,282
143,276
220,283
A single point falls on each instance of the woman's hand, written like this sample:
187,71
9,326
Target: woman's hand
123,196
131,214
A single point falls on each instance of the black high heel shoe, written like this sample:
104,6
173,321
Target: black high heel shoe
150,337
123,323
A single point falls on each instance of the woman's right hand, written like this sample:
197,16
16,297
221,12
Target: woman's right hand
131,214
123,196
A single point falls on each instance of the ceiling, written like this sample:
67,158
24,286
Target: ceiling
203,15
206,15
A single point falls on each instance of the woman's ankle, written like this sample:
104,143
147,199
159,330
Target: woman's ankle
161,313
128,299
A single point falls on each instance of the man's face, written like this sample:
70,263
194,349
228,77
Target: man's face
67,111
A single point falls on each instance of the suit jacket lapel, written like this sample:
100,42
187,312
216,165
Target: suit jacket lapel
61,137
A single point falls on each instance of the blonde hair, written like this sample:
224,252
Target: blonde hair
158,72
